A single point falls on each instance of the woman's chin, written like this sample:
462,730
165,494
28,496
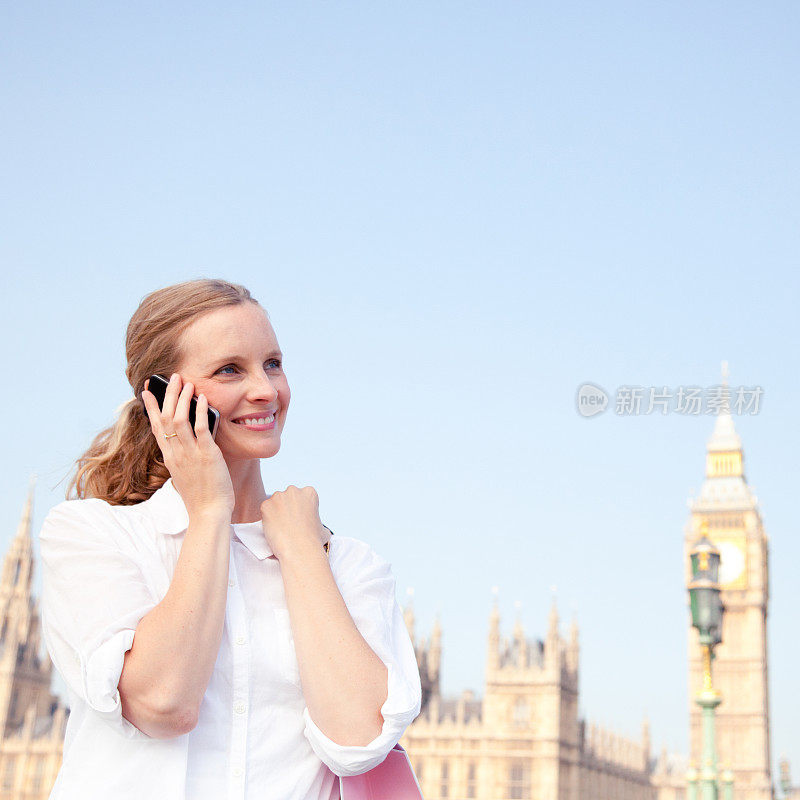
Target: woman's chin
238,452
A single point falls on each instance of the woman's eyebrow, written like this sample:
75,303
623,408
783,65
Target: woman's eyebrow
271,354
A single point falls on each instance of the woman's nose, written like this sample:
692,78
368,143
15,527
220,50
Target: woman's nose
263,388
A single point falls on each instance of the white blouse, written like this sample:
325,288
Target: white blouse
105,567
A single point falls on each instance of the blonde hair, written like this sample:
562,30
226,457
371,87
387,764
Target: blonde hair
124,465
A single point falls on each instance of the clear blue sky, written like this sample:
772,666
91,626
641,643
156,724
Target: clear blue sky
455,214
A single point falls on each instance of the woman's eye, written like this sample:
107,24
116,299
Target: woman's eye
273,362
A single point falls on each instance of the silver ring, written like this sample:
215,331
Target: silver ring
169,435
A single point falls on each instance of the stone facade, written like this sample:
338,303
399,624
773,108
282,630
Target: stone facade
33,719
524,739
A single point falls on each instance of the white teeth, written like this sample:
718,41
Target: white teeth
259,421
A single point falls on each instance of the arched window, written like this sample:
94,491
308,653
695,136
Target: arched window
8,772
521,713
38,775
519,780
472,780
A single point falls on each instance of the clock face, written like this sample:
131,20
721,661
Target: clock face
732,563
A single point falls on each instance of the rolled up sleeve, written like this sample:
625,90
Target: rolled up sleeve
94,593
367,585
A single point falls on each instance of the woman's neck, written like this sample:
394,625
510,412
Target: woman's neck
248,488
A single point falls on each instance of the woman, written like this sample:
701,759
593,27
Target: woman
210,645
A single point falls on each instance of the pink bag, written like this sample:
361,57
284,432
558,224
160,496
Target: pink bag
392,779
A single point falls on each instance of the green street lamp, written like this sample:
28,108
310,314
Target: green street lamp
704,591
707,611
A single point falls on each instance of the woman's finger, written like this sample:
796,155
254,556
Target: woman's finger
151,406
201,420
153,414
170,402
180,421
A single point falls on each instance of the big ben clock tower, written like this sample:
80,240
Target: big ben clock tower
730,508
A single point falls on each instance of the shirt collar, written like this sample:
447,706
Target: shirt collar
168,510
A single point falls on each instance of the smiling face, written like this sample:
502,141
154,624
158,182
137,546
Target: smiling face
232,356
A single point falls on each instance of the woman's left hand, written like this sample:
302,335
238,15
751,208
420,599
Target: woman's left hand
290,519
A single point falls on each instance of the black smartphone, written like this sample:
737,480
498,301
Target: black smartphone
158,386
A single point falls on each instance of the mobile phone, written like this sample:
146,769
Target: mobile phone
158,386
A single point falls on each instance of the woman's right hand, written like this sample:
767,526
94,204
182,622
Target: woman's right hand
197,466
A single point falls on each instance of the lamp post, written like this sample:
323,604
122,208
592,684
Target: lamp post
707,611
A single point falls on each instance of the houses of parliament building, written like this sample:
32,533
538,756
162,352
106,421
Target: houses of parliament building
523,739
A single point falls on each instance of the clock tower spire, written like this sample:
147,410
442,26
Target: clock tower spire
728,506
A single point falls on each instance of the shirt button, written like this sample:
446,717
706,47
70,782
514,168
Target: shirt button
240,640
240,708
237,771
231,583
